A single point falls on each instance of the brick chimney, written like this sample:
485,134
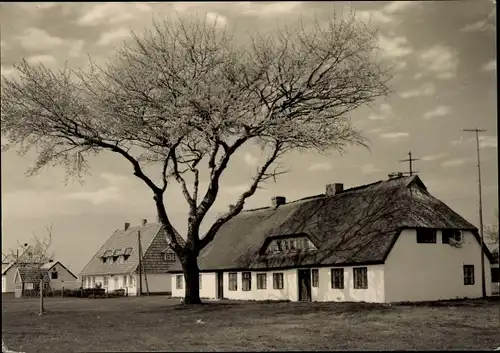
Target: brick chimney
277,201
127,225
334,189
231,207
144,221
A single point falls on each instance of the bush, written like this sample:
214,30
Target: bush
117,293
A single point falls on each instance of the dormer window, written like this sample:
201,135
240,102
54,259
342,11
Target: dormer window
291,244
168,256
454,235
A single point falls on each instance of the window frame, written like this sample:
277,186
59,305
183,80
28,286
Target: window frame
54,275
423,232
169,256
179,283
246,281
337,274
495,274
105,281
360,282
232,282
315,277
278,284
125,280
260,284
469,277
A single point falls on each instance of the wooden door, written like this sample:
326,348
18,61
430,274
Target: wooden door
220,285
304,281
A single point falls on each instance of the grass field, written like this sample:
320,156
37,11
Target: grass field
161,324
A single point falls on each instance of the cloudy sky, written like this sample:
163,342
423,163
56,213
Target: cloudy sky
445,81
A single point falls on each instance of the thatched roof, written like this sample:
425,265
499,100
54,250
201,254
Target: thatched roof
31,274
357,226
117,244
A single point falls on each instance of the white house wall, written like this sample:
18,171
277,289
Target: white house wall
373,294
8,285
64,278
157,283
420,272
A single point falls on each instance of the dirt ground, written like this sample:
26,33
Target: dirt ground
158,323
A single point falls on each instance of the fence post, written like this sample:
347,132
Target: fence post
62,292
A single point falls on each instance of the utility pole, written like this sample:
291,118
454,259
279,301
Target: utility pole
481,230
410,160
140,260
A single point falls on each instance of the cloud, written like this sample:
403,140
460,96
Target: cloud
235,189
395,47
374,131
388,13
427,89
439,111
37,39
75,49
116,35
455,162
489,66
369,169
484,141
97,197
385,112
250,159
268,10
418,76
319,166
111,13
431,158
488,141
44,59
215,18
476,26
7,72
116,179
440,60
394,135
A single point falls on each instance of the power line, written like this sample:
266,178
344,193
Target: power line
481,230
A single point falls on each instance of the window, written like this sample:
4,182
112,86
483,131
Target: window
468,275
495,274
305,244
338,278
103,260
426,235
116,282
54,275
132,281
110,260
127,251
92,282
450,233
233,281
278,280
246,281
168,256
105,281
199,279
261,281
276,247
315,277
179,282
284,244
361,278
125,281
293,244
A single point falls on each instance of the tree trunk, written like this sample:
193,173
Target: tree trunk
191,276
41,297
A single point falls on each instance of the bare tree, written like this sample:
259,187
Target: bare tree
492,230
35,254
186,96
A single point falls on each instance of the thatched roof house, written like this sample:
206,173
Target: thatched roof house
355,227
352,226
